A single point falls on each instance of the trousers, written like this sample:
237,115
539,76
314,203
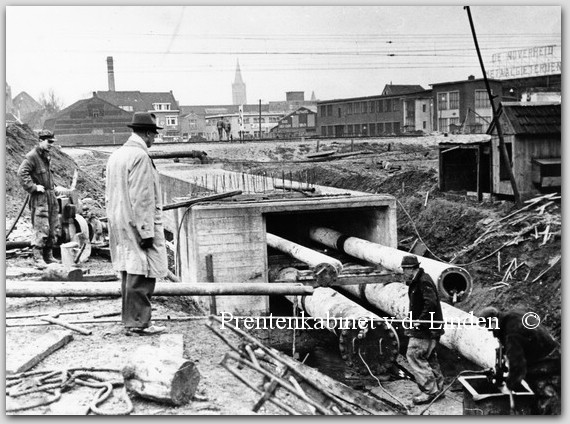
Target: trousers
136,291
424,364
45,220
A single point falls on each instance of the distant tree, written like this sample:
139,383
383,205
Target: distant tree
50,102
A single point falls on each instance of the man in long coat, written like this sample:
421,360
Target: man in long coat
36,178
136,233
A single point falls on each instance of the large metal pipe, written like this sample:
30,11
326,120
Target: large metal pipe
113,289
377,341
197,154
454,284
326,268
474,343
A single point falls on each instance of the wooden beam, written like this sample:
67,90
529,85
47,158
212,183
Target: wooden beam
36,351
210,279
478,158
64,324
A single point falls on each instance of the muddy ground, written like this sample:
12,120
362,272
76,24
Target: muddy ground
448,223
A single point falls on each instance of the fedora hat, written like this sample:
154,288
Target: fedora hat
410,261
145,121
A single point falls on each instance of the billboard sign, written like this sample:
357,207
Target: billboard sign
529,62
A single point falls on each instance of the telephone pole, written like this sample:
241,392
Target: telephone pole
502,148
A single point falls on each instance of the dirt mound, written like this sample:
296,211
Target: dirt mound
20,139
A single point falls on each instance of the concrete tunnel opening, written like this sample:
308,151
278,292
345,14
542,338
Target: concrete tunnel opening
294,226
331,352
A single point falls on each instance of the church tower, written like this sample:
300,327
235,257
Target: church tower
238,89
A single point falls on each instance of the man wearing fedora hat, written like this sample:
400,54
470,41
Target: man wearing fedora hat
36,178
136,234
421,354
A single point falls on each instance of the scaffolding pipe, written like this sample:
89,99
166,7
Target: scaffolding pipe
454,283
326,269
113,289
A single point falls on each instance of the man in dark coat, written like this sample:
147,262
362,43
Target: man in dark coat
532,355
421,354
36,178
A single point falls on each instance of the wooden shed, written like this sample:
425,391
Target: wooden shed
465,163
533,140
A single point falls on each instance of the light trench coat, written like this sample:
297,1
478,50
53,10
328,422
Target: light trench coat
134,210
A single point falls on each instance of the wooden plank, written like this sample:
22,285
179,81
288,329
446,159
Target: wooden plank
210,279
37,351
479,191
65,324
320,154
173,343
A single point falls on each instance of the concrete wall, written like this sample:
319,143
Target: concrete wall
234,232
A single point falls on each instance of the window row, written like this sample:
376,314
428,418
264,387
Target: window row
355,108
361,130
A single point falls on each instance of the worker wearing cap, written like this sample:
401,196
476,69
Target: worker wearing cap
421,354
36,178
532,355
136,234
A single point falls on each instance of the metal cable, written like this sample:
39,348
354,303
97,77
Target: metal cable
380,384
19,215
44,381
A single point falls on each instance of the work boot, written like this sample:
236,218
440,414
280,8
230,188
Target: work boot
40,263
424,398
48,256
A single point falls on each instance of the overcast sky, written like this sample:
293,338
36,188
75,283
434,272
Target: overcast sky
335,51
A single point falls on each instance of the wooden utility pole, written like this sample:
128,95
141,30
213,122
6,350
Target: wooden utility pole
502,148
260,119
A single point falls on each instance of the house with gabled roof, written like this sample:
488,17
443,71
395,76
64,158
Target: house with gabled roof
90,121
162,104
397,90
24,104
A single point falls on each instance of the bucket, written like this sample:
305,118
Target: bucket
481,397
68,253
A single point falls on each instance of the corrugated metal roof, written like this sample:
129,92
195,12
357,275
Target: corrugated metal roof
533,119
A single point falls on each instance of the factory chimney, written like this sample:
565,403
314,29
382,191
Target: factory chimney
111,73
